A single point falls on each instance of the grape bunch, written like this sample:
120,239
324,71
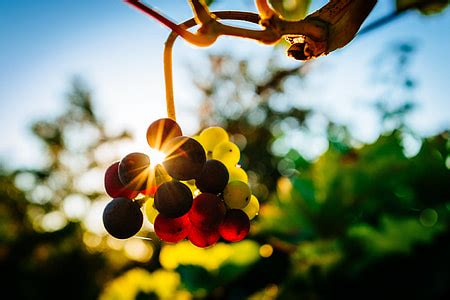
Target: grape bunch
198,192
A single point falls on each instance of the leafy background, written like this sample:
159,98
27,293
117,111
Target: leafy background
358,221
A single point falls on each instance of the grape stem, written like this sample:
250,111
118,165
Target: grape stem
329,28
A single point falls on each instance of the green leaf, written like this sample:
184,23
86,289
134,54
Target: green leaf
395,235
291,9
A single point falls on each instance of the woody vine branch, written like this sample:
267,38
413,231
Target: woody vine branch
329,28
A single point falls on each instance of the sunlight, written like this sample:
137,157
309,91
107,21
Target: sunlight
156,157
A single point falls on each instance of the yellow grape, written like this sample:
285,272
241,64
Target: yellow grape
252,207
236,194
150,210
228,153
211,137
237,173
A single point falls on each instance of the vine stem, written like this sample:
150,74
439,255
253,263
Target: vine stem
168,49
331,27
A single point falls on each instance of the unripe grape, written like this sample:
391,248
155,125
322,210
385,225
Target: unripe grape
150,210
172,230
122,218
161,131
235,226
207,211
203,238
113,186
252,207
173,199
211,137
227,152
185,158
134,171
213,177
236,194
237,174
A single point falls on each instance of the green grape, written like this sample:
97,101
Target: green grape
150,210
227,152
237,173
211,137
252,207
236,194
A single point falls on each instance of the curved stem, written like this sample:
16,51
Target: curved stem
264,9
194,39
201,12
168,47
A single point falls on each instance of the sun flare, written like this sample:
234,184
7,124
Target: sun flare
156,157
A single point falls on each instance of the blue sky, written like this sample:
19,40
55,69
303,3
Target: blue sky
119,53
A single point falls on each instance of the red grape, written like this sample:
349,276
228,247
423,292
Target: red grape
185,158
203,238
134,170
113,186
161,131
122,218
235,225
207,211
213,177
172,230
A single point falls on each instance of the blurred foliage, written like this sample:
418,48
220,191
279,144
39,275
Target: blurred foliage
426,7
352,220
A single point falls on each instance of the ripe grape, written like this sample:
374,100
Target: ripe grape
161,131
185,158
236,194
227,152
207,211
173,199
237,173
134,171
252,207
203,238
235,226
114,186
150,210
122,218
172,230
213,178
211,137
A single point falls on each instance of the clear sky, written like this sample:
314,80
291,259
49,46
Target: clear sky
119,52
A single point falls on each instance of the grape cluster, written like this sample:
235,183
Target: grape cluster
198,192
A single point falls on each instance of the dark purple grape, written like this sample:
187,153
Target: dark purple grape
173,199
161,131
134,171
113,186
185,158
213,177
122,218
